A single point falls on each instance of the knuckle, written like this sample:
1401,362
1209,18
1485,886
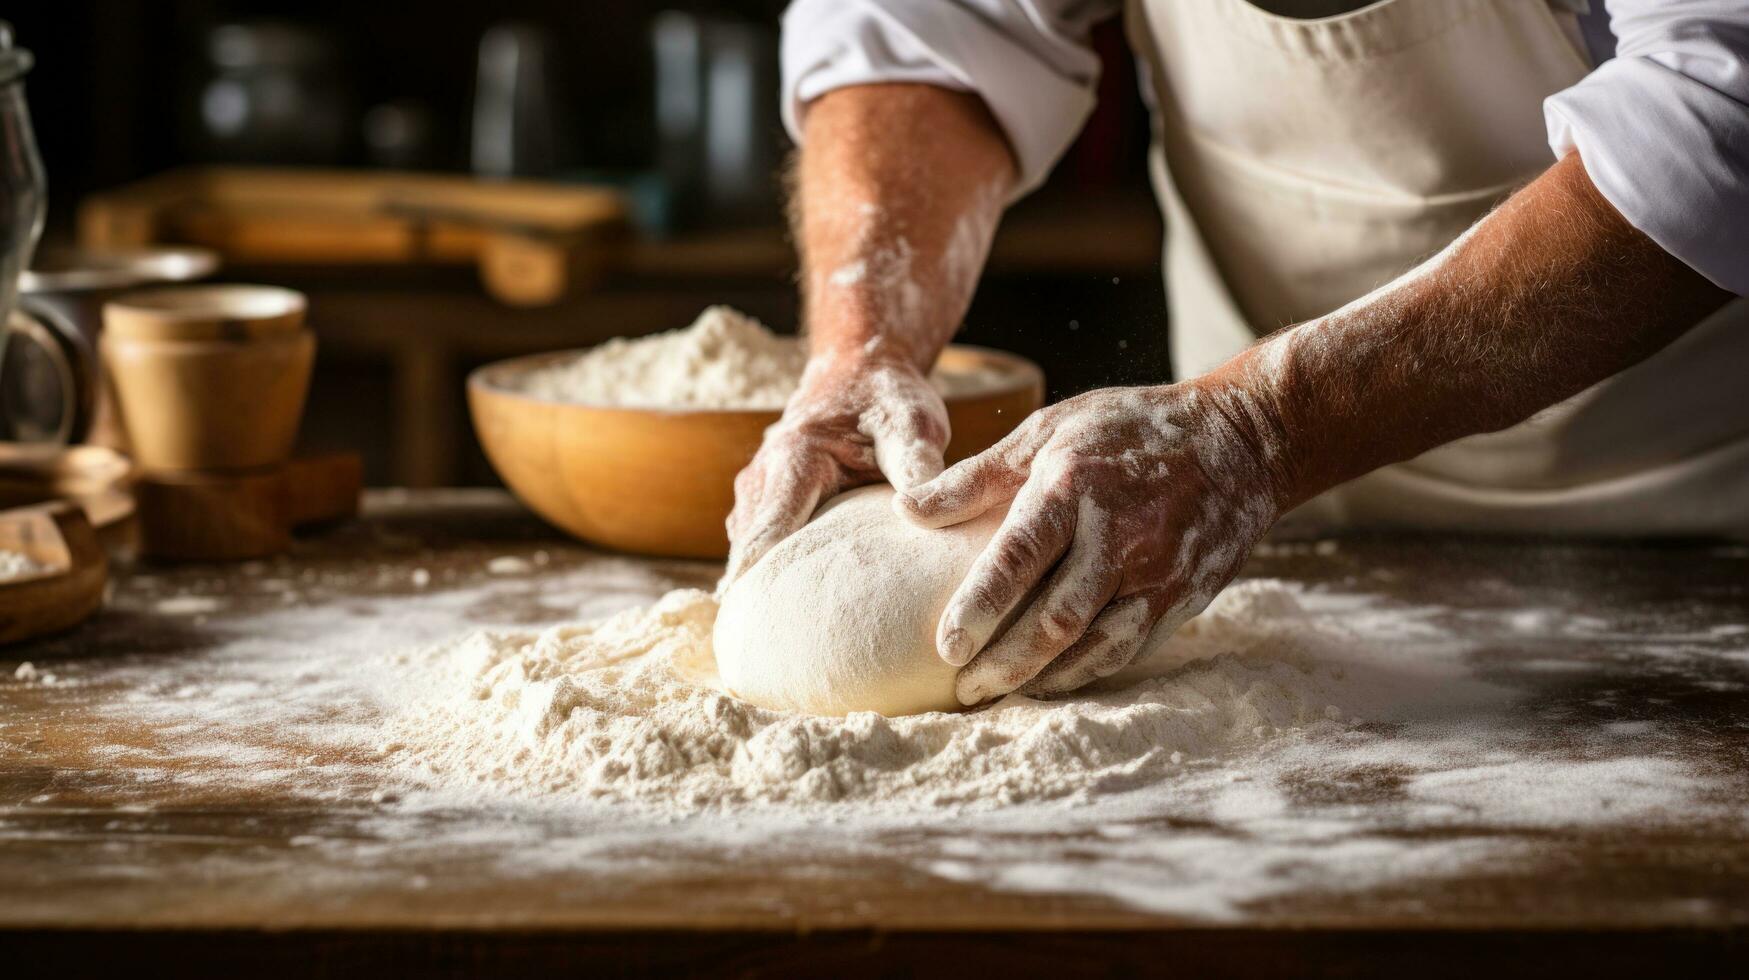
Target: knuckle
747,481
1066,478
788,441
986,597
1020,550
1005,673
1017,672
1062,621
1112,658
926,425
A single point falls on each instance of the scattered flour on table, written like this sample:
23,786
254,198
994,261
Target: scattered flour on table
724,360
187,605
546,753
629,709
28,673
17,564
509,565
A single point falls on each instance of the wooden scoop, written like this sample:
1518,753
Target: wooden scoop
67,587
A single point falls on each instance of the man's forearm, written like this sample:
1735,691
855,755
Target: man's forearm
1551,293
898,191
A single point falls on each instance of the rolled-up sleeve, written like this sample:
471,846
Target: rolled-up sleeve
1663,129
1029,60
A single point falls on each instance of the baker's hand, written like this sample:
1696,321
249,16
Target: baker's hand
856,418
1131,508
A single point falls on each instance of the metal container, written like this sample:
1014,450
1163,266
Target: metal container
50,382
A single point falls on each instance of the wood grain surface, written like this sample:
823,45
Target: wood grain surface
122,847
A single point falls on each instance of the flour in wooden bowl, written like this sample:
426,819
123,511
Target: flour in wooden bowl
17,565
726,360
629,709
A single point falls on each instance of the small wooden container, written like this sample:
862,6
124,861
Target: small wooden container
209,377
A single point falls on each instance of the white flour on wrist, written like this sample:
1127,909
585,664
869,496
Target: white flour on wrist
724,360
628,709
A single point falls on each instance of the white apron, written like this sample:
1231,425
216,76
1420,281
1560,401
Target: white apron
1302,163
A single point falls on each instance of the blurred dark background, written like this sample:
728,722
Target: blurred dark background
674,104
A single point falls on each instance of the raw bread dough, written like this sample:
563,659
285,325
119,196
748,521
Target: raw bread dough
841,615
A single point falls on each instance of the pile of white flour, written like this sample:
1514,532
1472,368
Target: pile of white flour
628,709
724,360
17,564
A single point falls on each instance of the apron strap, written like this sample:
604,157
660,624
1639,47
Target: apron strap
1594,25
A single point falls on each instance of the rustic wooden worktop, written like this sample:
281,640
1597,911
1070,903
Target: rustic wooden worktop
183,858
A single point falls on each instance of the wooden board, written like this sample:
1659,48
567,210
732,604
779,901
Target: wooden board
533,242
186,859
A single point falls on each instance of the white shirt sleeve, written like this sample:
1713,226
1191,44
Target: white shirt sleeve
1663,129
1029,60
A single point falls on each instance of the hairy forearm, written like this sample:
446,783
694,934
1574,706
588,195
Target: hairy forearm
1549,294
898,189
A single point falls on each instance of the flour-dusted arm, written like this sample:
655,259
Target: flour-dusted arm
1132,507
1664,129
919,121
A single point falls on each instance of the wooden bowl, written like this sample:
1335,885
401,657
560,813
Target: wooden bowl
73,571
661,482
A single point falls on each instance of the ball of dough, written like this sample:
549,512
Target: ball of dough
841,615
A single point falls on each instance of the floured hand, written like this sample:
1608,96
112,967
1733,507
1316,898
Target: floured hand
898,191
1131,508
856,418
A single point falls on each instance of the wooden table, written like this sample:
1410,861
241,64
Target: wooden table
124,846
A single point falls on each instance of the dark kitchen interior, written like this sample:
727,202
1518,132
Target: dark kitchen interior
126,91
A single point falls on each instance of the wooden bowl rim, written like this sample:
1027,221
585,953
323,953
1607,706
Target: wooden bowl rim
1025,375
48,516
96,478
56,462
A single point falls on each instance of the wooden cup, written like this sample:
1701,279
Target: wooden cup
210,404
208,377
